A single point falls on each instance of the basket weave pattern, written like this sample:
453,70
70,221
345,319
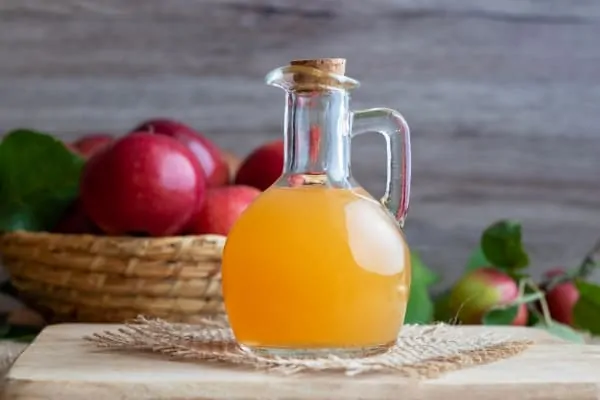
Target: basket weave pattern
89,278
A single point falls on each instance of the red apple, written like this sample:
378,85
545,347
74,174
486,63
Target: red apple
75,221
479,291
561,298
522,316
89,145
142,184
262,167
222,207
208,154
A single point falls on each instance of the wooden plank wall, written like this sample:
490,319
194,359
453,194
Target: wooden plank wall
503,97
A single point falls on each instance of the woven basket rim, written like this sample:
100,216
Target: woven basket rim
27,244
22,234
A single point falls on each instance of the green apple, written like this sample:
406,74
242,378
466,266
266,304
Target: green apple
479,291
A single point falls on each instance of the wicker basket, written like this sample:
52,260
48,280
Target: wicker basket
87,278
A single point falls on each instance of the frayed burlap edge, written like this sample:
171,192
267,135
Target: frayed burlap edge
435,367
420,352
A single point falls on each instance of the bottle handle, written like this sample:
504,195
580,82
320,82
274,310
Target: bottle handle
392,125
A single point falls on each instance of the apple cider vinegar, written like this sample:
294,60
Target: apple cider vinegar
333,273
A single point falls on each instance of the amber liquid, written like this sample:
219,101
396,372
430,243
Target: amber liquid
315,268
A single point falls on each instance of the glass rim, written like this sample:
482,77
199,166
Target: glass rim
284,77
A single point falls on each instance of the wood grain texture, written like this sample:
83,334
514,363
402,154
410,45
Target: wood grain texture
59,365
503,97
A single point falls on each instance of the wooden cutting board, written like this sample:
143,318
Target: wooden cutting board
59,365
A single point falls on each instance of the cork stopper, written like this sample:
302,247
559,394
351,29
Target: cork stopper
307,81
331,65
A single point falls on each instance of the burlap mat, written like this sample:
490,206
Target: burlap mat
420,351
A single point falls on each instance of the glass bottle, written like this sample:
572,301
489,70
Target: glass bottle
316,265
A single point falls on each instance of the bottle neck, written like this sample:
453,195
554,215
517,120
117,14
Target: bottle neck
317,135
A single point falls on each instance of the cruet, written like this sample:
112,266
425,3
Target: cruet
316,265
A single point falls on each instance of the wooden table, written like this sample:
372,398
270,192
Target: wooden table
60,365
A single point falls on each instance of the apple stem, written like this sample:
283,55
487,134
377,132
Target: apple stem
522,286
525,299
543,303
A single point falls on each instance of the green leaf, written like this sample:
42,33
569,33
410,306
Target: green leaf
23,333
586,312
534,318
26,338
477,260
501,316
562,331
420,273
442,312
516,275
420,305
501,244
39,179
